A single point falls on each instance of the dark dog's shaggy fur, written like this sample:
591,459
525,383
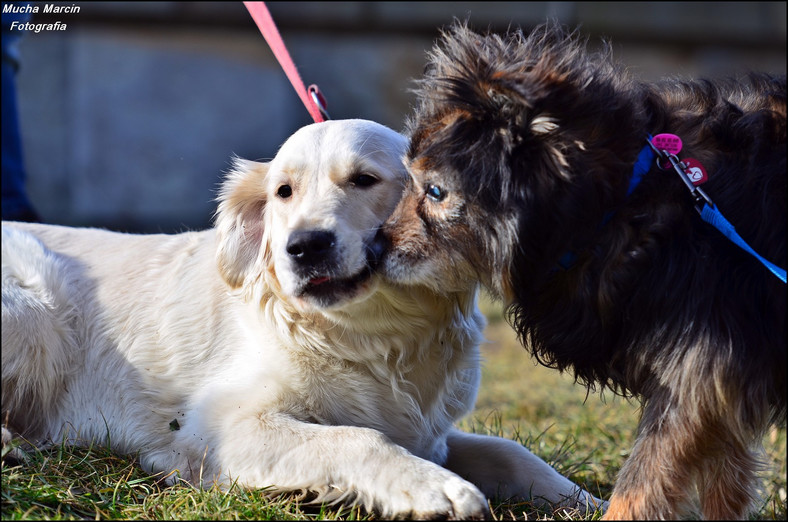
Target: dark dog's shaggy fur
522,150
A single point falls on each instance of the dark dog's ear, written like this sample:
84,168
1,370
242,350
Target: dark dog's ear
510,80
239,221
498,82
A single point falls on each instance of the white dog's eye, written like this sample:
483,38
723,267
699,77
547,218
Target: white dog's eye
284,191
435,193
363,180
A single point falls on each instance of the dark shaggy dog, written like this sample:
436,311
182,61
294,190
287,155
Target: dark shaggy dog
521,158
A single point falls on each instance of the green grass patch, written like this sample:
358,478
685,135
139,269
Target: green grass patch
585,437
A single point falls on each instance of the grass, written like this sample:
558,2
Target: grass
586,438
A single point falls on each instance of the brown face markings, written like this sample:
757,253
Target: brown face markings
407,231
431,241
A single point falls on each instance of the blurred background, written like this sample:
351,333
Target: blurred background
131,114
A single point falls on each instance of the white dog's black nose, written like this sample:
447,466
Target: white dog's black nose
310,247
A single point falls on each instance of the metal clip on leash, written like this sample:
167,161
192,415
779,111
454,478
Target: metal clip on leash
319,100
700,197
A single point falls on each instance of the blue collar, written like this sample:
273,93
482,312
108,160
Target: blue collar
642,166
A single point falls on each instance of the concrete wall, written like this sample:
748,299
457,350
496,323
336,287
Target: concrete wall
132,113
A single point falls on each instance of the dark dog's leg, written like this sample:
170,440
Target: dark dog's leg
655,478
728,485
684,451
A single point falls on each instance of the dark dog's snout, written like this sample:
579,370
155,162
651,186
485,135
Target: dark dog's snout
310,247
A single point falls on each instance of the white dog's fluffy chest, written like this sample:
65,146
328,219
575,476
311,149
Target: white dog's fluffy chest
410,385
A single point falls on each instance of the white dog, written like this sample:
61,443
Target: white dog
266,350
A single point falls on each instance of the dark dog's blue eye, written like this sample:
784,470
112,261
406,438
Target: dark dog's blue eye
435,193
284,191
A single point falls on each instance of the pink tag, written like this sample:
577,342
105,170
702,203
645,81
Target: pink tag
667,142
695,171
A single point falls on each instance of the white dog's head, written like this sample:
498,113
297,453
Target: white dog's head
307,222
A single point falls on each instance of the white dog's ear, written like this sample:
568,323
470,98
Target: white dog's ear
239,220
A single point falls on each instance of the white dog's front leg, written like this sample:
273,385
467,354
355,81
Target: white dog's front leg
342,462
504,469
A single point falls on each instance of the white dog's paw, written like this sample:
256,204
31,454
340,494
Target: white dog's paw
588,502
582,503
436,494
466,501
13,452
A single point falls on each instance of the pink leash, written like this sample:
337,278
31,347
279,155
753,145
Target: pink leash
312,98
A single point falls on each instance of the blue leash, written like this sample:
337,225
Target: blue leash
714,217
703,204
710,214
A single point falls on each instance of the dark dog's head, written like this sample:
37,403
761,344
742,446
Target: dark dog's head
519,145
